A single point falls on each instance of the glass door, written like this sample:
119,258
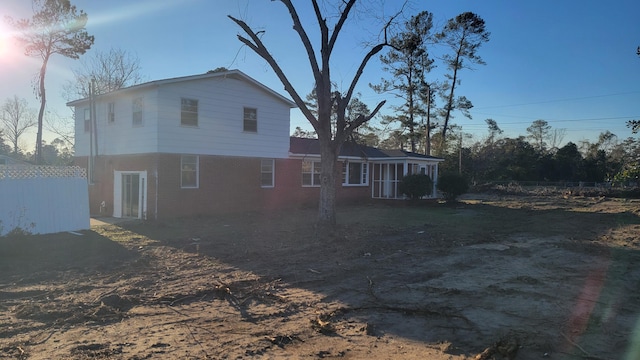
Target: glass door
131,195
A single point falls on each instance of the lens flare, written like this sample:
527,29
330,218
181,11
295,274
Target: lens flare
7,47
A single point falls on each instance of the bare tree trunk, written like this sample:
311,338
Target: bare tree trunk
327,203
322,121
450,100
43,101
412,135
428,129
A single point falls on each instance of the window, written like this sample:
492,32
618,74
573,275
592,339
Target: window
250,123
266,173
111,112
354,173
310,173
189,112
138,106
189,171
87,120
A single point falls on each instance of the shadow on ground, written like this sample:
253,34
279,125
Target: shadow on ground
461,279
494,277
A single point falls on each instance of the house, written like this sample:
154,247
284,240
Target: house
367,172
212,143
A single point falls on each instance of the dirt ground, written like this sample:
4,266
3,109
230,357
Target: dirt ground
492,277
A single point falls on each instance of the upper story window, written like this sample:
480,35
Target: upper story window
250,123
138,107
87,120
189,171
111,112
267,167
189,112
311,173
354,173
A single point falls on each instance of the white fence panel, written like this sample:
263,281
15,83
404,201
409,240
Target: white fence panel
43,199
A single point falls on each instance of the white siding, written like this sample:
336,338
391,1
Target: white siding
121,136
80,137
220,121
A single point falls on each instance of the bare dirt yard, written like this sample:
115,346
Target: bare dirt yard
491,277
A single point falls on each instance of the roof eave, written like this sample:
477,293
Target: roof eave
161,82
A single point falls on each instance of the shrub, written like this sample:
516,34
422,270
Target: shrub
452,186
416,186
632,174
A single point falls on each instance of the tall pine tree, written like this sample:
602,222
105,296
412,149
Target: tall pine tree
56,27
407,62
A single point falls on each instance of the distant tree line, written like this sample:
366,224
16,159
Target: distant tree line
525,158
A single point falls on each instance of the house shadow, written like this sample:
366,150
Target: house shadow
461,278
46,258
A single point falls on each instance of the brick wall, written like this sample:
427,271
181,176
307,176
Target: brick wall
226,185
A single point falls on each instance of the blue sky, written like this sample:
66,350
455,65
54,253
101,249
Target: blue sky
571,63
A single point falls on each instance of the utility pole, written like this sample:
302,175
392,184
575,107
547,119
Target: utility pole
90,162
460,153
94,126
428,129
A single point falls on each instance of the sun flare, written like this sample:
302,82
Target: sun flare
6,43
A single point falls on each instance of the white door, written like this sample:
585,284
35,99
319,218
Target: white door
129,194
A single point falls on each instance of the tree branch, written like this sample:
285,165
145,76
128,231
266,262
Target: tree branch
363,119
376,49
258,47
339,24
297,26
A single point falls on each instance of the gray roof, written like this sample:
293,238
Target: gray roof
306,147
234,74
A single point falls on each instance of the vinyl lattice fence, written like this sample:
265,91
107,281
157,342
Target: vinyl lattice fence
43,199
32,172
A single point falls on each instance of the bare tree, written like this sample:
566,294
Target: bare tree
109,71
55,28
63,127
555,138
331,104
16,118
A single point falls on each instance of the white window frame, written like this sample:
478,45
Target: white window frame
267,170
137,107
248,120
87,120
363,173
189,108
111,112
183,170
313,173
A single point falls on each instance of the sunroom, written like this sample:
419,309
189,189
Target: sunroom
386,174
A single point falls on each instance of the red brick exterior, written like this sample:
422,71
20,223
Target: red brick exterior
226,184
